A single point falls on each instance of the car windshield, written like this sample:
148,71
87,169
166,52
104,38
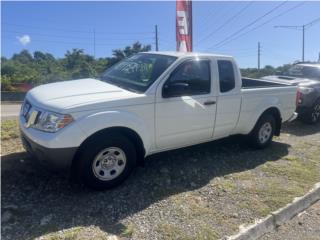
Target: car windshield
305,72
138,72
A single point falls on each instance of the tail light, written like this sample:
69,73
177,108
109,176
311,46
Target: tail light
298,98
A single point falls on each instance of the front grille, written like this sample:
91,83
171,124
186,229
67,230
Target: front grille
26,110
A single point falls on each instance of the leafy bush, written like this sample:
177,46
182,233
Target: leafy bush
41,68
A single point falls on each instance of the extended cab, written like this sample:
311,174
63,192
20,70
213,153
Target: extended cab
148,103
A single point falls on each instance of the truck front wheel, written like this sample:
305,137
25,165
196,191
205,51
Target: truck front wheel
262,134
106,161
312,115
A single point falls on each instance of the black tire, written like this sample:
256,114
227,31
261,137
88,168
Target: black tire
255,137
312,115
92,149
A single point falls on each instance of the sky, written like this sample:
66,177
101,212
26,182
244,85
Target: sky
232,28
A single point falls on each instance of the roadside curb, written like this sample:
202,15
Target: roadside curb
277,218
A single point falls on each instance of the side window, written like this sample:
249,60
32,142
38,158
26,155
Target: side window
226,75
190,78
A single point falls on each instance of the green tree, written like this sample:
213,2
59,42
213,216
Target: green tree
23,57
41,67
128,51
78,64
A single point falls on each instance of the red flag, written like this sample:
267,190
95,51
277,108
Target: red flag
184,25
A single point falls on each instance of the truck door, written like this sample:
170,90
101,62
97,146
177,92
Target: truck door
229,99
185,105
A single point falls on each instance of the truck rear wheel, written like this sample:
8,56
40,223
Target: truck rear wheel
262,134
106,161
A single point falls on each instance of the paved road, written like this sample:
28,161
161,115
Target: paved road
10,111
305,225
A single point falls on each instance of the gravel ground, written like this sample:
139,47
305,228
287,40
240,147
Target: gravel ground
200,192
305,225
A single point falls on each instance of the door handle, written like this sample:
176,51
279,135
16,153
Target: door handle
209,103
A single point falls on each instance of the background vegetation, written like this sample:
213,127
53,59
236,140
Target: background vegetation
40,67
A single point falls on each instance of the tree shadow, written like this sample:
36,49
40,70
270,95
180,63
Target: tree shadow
36,193
299,128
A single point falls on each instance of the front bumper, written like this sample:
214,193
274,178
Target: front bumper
57,159
293,117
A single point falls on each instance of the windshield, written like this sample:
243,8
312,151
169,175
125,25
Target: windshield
138,72
305,72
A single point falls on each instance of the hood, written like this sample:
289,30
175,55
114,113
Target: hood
291,80
67,95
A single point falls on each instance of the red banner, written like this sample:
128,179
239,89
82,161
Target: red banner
184,25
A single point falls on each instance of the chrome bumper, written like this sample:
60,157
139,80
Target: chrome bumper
293,117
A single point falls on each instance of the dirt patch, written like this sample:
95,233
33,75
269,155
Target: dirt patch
200,192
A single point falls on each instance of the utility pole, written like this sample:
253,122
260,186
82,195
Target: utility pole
157,43
94,43
303,28
259,54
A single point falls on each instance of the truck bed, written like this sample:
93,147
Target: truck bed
248,83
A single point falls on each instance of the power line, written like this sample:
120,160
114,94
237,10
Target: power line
303,28
76,43
312,23
205,19
203,27
226,22
77,31
264,23
249,25
75,37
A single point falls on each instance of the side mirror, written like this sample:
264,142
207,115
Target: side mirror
174,89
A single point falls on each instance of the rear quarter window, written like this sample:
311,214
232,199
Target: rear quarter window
226,76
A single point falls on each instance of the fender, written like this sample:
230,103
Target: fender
248,122
116,118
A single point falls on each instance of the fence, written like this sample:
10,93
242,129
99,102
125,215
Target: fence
12,96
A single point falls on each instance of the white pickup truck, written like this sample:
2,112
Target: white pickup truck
148,103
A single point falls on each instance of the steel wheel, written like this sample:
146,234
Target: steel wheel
109,163
265,132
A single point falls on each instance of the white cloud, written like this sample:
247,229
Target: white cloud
24,40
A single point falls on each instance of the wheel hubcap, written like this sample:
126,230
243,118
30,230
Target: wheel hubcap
316,113
109,163
265,132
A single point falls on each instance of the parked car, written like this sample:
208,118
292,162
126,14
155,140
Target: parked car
148,103
307,77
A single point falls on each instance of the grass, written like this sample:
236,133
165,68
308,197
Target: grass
250,193
9,129
276,183
127,231
170,232
173,232
77,233
69,234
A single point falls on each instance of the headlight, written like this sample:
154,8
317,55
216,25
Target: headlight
305,90
52,122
